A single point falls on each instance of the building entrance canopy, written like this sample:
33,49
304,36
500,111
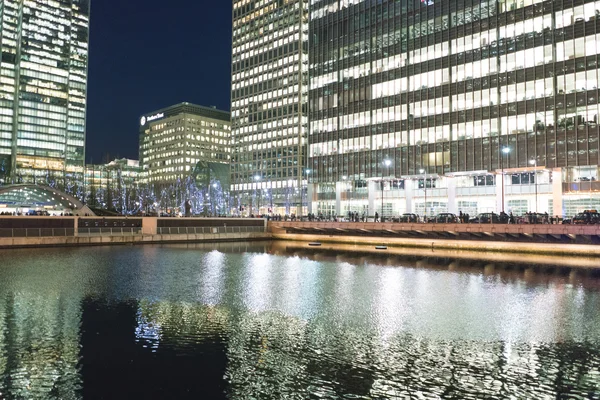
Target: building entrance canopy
25,198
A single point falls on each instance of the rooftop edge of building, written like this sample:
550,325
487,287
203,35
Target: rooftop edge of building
185,107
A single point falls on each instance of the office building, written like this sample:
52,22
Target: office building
268,105
114,186
43,88
175,139
435,105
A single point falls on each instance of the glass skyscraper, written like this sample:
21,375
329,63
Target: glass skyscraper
430,106
268,105
43,86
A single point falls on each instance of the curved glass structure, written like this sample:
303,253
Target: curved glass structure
24,198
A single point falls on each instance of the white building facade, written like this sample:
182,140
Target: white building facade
449,106
268,106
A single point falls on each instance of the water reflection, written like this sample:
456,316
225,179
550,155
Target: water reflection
267,321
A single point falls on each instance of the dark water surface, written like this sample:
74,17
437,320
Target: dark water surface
257,321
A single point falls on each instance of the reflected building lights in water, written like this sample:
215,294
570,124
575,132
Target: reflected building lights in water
296,328
43,328
344,289
147,332
301,280
391,303
258,279
211,277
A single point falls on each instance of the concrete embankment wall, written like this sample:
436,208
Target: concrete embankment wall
25,231
20,242
448,244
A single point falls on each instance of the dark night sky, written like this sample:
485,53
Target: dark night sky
149,54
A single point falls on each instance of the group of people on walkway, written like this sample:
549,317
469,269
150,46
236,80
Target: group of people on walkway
464,218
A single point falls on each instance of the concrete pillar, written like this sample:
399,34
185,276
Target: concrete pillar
339,189
409,192
499,179
76,226
452,207
557,192
373,189
149,225
310,192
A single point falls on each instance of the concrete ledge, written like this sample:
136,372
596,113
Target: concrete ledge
433,227
448,244
472,259
128,240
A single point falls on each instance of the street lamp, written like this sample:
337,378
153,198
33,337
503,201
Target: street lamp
345,188
301,211
387,162
505,150
257,179
534,163
422,171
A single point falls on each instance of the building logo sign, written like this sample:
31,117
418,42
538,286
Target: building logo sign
144,120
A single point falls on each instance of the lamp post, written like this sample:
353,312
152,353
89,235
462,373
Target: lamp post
387,162
534,163
308,171
505,150
257,179
423,171
347,200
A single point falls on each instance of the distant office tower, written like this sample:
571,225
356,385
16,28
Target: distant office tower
175,139
435,106
43,86
268,105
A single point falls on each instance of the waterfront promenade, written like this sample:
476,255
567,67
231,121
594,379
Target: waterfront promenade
582,240
89,231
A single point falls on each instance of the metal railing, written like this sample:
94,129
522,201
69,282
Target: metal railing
211,229
123,231
109,231
36,232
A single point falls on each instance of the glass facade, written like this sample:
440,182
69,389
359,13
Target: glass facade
43,87
173,140
452,91
268,105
